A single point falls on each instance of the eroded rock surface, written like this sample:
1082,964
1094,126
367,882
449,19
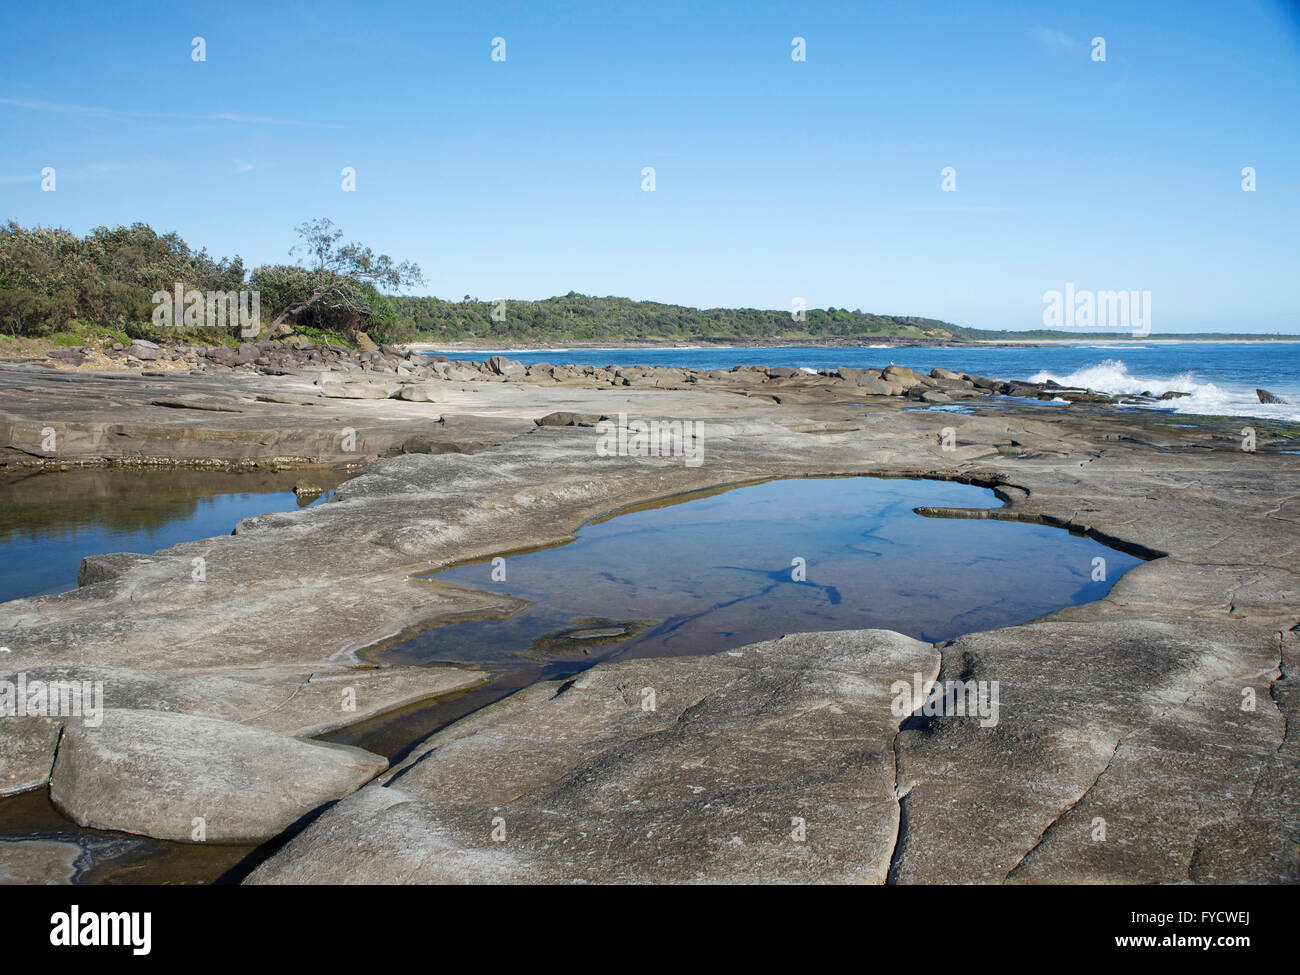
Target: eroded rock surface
774,761
168,775
1131,710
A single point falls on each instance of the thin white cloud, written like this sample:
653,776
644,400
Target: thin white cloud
122,115
243,167
1055,40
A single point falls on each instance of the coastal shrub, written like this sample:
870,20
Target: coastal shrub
50,276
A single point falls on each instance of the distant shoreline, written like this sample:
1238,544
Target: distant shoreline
881,341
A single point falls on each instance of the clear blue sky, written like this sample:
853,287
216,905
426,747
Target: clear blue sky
775,179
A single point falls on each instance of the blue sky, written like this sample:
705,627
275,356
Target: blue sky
774,179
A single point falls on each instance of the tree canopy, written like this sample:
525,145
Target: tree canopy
51,278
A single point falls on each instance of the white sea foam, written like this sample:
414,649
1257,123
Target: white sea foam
1112,376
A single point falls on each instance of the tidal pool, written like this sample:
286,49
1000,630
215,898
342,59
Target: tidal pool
50,521
692,574
704,573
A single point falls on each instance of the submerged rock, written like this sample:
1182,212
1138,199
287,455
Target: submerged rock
42,862
586,635
597,633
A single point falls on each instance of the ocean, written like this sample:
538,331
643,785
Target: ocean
1221,376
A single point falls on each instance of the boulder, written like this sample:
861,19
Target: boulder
143,350
246,353
879,387
417,393
456,371
1030,390
1266,397
901,374
154,773
935,396
565,418
508,368
872,381
987,385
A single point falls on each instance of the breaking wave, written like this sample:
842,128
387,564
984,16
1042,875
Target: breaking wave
1112,376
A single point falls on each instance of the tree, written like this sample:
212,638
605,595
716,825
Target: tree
38,274
334,274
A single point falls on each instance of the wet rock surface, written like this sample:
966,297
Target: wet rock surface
45,862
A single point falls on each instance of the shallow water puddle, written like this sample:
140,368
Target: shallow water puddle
708,573
50,521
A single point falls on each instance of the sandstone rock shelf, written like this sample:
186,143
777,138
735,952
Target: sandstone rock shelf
1129,710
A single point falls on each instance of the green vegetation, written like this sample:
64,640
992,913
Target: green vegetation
54,281
77,290
581,318
101,287
335,286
